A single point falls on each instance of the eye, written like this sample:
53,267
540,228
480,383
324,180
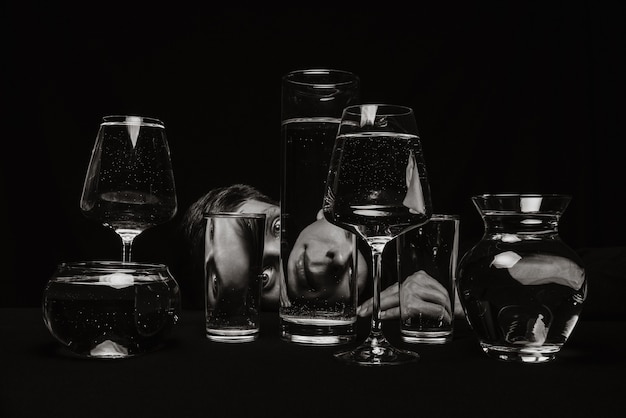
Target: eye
275,228
266,277
214,283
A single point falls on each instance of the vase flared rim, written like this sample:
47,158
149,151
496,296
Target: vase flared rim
521,195
515,203
112,266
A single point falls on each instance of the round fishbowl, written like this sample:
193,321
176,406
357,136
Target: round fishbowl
108,309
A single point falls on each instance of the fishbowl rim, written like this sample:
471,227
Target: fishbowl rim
111,266
521,195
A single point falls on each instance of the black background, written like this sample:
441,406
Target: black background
509,97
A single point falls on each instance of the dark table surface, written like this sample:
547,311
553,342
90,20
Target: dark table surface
193,377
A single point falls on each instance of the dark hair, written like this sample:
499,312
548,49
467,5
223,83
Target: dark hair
224,199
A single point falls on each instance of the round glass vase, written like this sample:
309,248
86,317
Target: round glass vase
521,287
107,309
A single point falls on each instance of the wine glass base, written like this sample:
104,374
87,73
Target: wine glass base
377,355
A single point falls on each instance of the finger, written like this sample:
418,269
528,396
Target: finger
391,290
435,297
424,279
390,313
365,308
433,311
426,309
421,286
388,299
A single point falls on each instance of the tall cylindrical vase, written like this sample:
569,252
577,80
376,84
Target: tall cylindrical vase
318,293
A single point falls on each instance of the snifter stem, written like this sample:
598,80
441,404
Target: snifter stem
127,244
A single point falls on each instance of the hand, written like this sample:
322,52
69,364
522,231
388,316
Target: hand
420,294
541,269
320,263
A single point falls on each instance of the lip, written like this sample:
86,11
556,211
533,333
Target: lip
300,269
312,282
304,272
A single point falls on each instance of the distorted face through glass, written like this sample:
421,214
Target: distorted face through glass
272,269
316,243
233,263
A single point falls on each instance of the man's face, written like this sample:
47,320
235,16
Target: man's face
272,269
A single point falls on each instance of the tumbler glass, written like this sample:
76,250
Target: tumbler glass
233,269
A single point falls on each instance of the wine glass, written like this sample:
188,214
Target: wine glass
129,185
377,188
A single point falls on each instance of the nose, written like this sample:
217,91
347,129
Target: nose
324,258
271,246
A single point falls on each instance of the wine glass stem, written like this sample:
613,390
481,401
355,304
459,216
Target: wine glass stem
127,244
377,256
